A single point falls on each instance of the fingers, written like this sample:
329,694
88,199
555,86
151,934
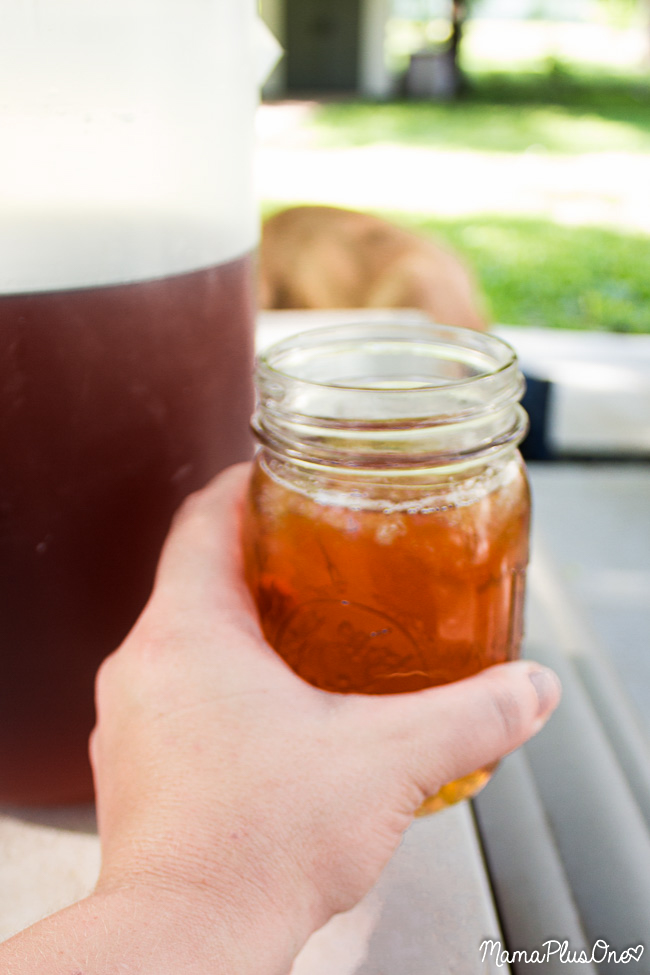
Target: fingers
201,608
201,562
433,736
444,733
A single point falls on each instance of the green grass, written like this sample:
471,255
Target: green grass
534,272
560,111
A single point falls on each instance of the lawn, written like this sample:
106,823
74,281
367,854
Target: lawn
532,271
561,111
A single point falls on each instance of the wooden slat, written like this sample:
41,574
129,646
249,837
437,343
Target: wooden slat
533,895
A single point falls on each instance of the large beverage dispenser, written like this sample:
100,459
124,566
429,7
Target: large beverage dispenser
127,224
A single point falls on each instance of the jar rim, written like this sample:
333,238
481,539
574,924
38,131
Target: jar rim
471,342
388,394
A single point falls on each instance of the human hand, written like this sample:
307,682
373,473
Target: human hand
257,803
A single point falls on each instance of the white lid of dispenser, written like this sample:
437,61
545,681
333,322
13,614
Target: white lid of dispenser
127,132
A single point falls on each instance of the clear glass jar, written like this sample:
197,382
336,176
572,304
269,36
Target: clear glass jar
126,333
386,529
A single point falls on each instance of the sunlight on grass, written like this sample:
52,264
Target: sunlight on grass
536,273
533,272
538,87
561,111
538,174
467,125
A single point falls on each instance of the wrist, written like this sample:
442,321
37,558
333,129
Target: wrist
148,931
200,925
189,933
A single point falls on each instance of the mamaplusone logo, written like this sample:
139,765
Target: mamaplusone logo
600,953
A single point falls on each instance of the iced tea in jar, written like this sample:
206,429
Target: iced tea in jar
386,528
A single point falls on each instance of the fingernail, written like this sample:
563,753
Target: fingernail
548,689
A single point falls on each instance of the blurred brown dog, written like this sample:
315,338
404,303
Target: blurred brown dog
327,257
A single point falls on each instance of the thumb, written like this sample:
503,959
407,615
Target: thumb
438,735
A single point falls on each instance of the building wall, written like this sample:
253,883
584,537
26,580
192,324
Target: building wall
373,79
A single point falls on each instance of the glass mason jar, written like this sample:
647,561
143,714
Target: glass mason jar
126,333
386,527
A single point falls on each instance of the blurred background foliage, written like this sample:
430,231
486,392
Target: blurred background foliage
560,81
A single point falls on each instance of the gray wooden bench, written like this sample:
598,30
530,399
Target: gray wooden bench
565,824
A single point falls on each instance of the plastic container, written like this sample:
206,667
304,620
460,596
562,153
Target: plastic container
126,311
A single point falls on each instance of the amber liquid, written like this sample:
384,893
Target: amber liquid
385,601
115,402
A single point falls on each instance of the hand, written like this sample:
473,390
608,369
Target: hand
218,768
238,806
